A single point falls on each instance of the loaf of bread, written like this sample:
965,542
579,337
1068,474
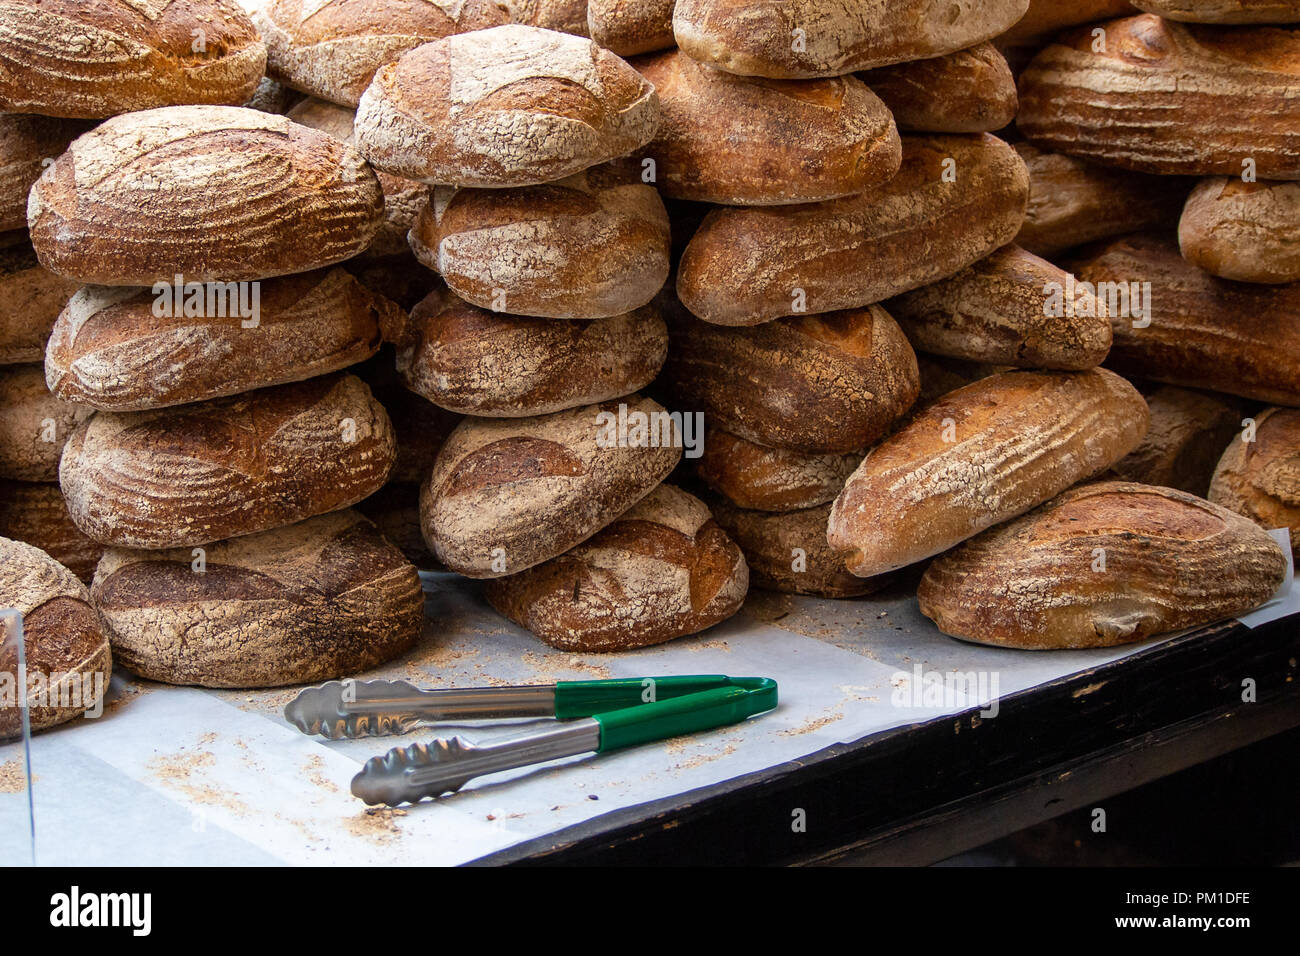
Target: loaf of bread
1203,332
787,551
590,246
663,569
34,425
27,144
509,106
1103,564
325,598
403,198
1224,11
496,365
978,456
1188,431
213,193
1170,98
811,384
567,16
35,513
1073,201
1261,479
1249,232
178,477
67,655
1010,308
97,58
746,266
111,350
628,27
395,511
31,298
771,479
1047,17
750,141
970,91
808,38
508,494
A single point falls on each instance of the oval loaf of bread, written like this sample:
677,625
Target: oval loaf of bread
35,513
177,477
509,106
663,569
1103,564
508,494
1224,11
34,425
31,298
1249,232
970,91
771,479
213,193
26,143
628,27
1261,479
978,456
1188,432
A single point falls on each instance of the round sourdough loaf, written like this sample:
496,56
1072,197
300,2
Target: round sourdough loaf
978,456
970,91
746,266
590,246
1241,339
26,144
1103,564
1187,434
96,58
34,512
321,599
1249,232
31,298
748,141
1224,11
1001,311
771,479
494,365
68,658
808,38
34,425
1073,201
1169,98
213,193
628,27
508,494
811,384
663,569
1261,479
787,552
176,477
111,349
509,106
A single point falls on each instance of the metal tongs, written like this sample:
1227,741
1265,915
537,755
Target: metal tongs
598,715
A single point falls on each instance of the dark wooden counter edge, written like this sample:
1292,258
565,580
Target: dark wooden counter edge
921,793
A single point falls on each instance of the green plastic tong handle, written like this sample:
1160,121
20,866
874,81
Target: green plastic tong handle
586,698
716,706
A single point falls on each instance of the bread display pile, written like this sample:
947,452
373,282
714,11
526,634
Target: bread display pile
624,306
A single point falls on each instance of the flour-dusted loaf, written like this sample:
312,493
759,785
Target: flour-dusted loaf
27,144
325,598
68,658
1188,432
177,477
1047,17
508,494
970,91
809,38
1204,332
759,478
1001,310
1249,232
978,456
1103,564
812,384
31,298
590,246
1261,478
750,141
1224,11
628,27
509,106
663,569
97,58
955,200
1169,98
34,425
495,365
214,193
34,512
111,350
1074,201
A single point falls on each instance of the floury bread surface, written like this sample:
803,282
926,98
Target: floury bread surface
1261,478
31,298
772,479
970,91
33,425
1189,431
35,513
26,144
1249,232
627,27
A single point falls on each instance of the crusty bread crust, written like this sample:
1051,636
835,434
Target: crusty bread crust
1261,479
759,478
1249,232
969,91
33,425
